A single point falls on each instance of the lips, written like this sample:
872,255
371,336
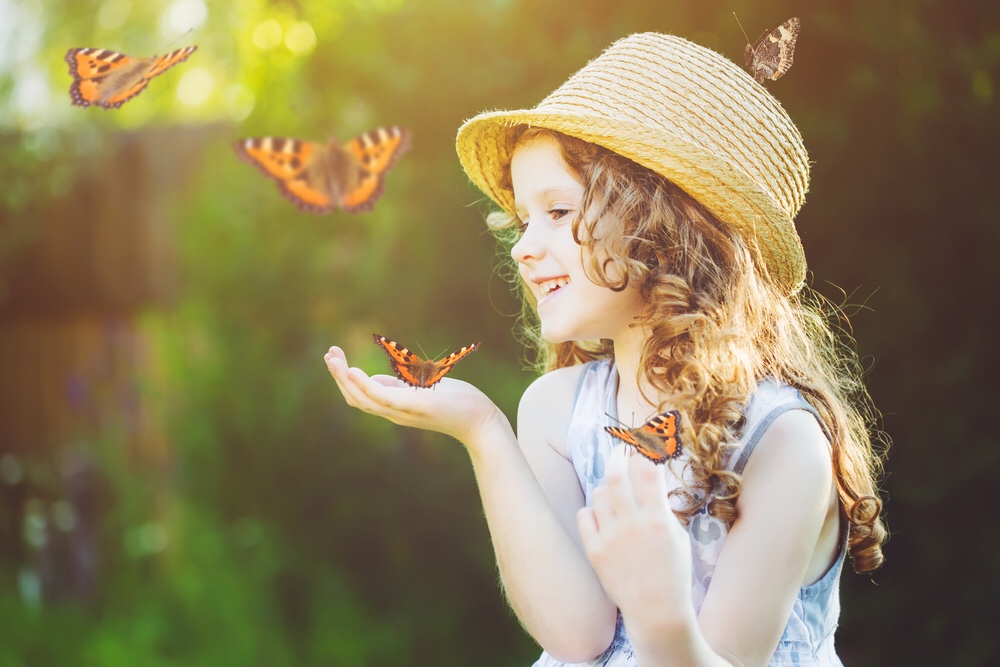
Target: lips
547,287
550,286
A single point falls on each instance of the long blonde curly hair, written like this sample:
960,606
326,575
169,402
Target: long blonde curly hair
718,327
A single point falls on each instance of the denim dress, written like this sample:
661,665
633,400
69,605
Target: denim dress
808,635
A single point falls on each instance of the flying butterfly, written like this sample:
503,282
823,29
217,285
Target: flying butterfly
771,56
418,372
658,439
109,79
320,178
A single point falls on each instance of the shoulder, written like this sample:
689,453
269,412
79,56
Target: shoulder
793,444
547,406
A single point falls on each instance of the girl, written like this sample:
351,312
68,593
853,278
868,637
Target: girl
650,202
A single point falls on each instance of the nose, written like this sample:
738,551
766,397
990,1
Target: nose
527,247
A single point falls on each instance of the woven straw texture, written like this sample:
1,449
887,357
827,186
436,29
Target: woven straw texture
685,112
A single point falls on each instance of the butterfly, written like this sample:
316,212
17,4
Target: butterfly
771,56
109,79
320,178
418,372
658,439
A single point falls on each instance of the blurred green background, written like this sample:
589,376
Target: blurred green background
181,481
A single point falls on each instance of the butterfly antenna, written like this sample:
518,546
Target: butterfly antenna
741,27
615,419
175,39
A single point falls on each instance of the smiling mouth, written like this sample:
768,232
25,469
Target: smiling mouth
550,287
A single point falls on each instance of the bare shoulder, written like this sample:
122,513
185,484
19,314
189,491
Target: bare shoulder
546,407
794,446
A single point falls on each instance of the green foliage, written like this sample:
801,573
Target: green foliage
285,528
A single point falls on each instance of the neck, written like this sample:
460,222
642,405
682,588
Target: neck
628,350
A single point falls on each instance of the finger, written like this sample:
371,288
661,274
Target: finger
618,482
603,507
336,364
388,381
649,483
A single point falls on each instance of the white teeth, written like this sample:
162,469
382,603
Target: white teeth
550,286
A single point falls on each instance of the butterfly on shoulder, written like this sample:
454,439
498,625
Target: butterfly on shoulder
658,439
418,372
319,178
772,55
109,79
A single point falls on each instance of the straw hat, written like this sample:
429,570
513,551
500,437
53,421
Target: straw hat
685,112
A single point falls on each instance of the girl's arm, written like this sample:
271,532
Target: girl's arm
787,513
529,491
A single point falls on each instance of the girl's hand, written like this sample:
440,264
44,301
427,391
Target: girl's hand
451,407
639,549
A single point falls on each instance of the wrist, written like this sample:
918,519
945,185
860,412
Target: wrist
671,641
493,428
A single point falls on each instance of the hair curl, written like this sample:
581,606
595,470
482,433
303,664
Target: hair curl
718,327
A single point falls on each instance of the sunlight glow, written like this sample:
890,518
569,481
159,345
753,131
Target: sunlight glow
195,86
267,34
181,16
300,38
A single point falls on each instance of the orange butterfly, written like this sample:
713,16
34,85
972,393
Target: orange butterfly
418,372
109,79
657,440
320,178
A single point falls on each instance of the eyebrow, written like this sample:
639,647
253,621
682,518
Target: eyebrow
553,192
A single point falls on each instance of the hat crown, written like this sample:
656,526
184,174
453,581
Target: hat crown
669,84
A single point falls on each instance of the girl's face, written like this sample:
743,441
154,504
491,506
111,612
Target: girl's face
548,198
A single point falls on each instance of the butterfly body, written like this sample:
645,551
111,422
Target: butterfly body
319,178
658,439
418,372
771,56
108,79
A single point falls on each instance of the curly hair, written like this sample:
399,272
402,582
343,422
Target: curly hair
718,327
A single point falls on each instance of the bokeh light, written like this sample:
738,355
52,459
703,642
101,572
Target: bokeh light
267,34
183,15
300,38
195,86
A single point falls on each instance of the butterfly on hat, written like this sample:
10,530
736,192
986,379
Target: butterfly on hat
109,79
418,372
319,178
772,55
658,439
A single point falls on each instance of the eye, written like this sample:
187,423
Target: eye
558,213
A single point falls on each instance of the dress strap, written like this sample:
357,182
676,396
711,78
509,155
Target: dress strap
765,423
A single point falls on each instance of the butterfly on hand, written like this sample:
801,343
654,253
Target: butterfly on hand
320,178
772,55
109,79
658,439
418,372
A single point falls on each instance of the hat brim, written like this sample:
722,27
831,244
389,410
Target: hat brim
726,191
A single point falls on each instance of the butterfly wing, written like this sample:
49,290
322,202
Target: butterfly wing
287,162
665,428
415,371
443,366
622,434
773,53
658,439
374,152
109,79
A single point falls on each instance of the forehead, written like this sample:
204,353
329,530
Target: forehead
537,167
